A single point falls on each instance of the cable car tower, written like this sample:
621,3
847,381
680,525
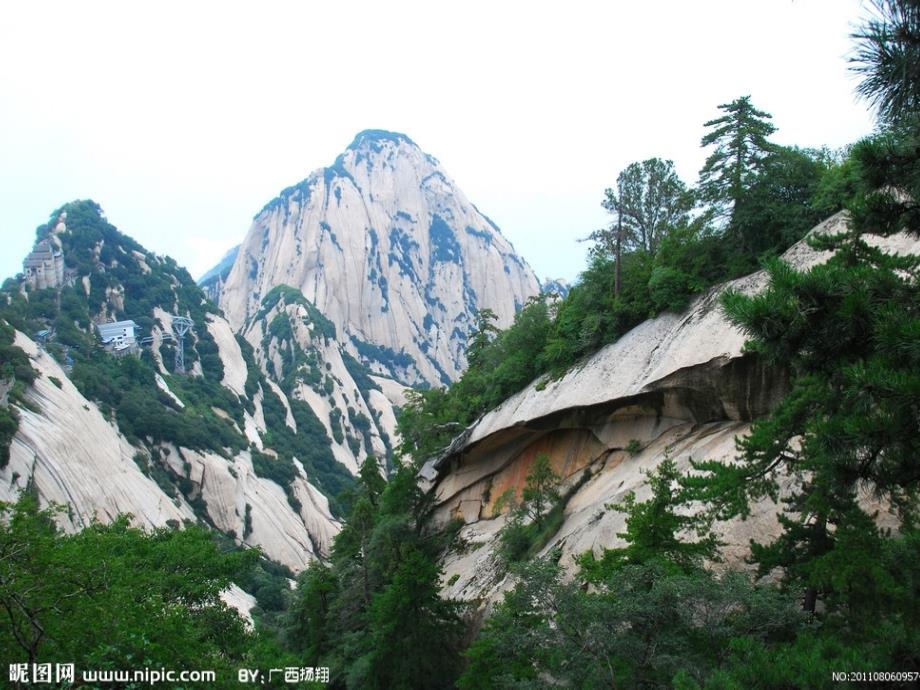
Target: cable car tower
181,325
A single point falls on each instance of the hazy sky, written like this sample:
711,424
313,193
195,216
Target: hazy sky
183,119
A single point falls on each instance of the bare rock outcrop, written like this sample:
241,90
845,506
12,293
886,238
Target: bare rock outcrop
391,251
72,456
678,385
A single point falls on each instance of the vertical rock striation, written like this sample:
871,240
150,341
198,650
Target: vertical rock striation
391,251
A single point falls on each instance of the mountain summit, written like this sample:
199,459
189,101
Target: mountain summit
389,249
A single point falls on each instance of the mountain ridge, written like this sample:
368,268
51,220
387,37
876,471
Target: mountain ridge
230,440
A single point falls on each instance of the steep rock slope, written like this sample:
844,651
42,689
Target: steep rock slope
119,428
69,453
391,251
677,385
65,446
296,346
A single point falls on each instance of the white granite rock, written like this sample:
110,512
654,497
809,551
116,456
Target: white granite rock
675,386
390,250
241,600
230,355
74,457
337,393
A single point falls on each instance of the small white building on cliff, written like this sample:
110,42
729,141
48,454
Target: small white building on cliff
118,337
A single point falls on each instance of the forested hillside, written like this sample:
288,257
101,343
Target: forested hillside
113,278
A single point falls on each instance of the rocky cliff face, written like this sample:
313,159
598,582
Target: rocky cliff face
388,249
556,286
677,385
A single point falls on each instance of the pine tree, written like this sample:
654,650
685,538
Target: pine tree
658,529
541,490
374,614
740,138
632,619
849,330
888,57
413,631
482,335
309,624
777,211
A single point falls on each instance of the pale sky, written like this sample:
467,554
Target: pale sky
182,119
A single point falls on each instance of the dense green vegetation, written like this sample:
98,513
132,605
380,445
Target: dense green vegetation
46,575
374,613
303,363
641,616
113,597
127,282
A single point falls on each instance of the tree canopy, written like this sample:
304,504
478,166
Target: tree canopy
113,592
649,200
374,613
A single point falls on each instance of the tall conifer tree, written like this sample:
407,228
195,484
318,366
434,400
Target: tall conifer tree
740,138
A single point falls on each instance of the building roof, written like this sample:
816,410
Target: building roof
110,330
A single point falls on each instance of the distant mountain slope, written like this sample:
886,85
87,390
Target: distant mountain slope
213,280
390,251
557,286
296,346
